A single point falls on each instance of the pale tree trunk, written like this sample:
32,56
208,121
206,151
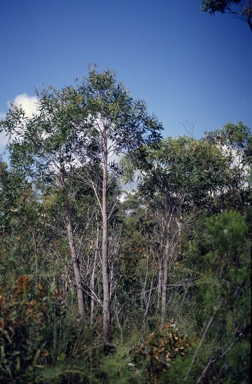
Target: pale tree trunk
179,224
76,267
92,288
147,293
72,248
105,266
93,277
159,287
165,281
165,265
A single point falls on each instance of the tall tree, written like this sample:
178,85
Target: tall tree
92,123
119,124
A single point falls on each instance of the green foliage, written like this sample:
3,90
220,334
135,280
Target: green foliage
236,143
240,8
134,241
67,129
118,368
225,289
226,234
182,170
239,371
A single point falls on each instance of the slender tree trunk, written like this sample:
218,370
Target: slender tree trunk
105,265
165,266
147,298
75,260
159,287
164,281
73,253
93,277
92,288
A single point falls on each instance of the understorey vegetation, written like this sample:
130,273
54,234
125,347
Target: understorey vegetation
125,257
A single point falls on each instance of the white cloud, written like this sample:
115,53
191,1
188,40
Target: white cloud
28,103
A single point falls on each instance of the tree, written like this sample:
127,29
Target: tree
177,179
119,124
239,8
79,127
42,150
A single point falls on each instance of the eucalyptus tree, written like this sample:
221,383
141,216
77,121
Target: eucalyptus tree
42,149
119,124
177,179
92,123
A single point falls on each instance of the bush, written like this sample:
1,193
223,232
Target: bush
156,353
22,328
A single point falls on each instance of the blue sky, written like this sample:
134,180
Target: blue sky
193,70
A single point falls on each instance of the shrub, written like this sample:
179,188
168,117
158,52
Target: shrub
156,353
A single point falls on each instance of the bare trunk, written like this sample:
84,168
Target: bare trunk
77,275
164,282
73,253
159,287
105,265
147,294
93,276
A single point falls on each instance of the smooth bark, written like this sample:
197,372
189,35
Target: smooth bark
105,266
75,260
72,248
